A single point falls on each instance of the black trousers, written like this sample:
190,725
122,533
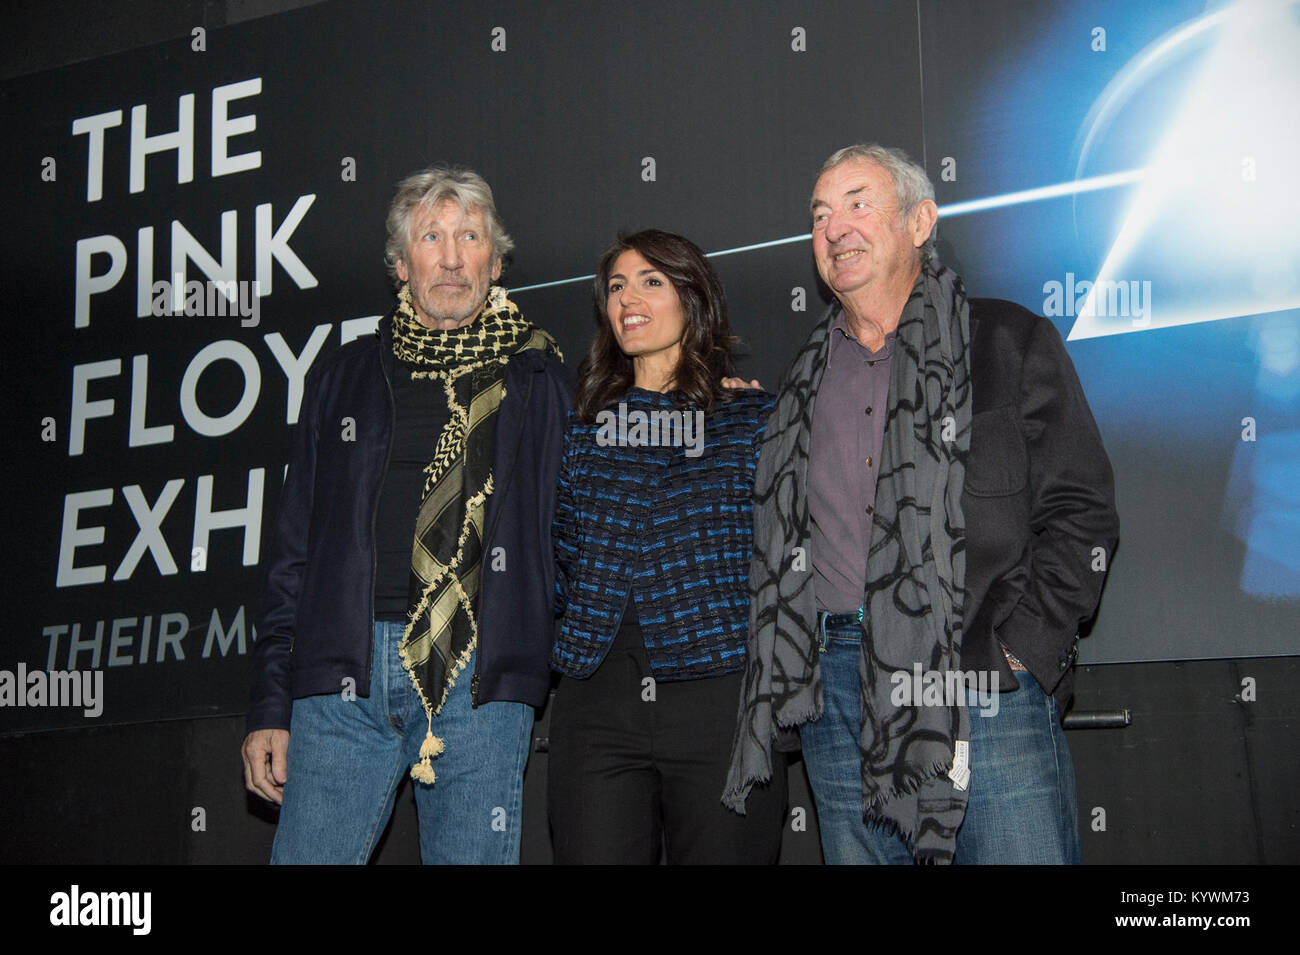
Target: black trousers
637,771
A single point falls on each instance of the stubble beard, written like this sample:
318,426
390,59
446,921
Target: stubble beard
456,319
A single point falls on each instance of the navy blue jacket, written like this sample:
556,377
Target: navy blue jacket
316,625
668,529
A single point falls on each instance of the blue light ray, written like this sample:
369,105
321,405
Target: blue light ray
948,211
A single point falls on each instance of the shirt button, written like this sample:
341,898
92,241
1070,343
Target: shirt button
871,510
868,411
868,462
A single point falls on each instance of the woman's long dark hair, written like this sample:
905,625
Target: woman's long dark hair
606,374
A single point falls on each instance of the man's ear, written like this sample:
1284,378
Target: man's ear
400,268
496,269
924,217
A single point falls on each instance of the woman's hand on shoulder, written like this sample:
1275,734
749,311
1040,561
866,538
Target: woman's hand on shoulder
740,383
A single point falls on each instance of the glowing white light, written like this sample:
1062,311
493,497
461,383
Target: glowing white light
1075,187
1220,188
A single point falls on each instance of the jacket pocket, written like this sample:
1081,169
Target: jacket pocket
998,464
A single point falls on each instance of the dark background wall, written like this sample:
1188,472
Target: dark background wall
1200,776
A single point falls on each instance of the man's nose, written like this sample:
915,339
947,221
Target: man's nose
450,258
836,227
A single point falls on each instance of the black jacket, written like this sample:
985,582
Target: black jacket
1039,501
316,625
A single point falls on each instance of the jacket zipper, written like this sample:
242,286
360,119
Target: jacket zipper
374,511
488,537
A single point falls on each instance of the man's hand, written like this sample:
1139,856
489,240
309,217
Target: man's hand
740,383
267,750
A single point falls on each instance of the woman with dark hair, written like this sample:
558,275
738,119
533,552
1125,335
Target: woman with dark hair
653,539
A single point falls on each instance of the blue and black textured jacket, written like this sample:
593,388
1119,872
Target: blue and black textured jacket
668,529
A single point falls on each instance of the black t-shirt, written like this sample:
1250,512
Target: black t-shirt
422,413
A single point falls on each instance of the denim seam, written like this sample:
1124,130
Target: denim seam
516,817
1061,801
380,816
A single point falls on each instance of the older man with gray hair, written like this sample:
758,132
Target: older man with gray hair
934,514
407,609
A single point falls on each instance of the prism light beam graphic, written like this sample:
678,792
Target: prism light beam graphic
965,207
1211,224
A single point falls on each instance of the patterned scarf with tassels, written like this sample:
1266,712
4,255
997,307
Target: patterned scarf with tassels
912,757
469,363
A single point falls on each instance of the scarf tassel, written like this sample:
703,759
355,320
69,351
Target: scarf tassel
431,747
487,343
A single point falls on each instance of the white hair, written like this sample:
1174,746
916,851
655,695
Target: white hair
911,184
427,188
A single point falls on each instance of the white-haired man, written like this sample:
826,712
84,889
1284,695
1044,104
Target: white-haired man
407,611
929,504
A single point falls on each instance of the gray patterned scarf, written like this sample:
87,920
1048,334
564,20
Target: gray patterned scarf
916,572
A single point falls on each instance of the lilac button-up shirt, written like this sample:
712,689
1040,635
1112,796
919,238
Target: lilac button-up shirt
848,432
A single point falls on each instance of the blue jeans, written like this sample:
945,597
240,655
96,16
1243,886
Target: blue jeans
1022,806
346,758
